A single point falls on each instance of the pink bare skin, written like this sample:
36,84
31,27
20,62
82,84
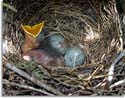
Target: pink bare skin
43,57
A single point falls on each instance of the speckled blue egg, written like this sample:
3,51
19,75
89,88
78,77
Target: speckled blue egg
74,57
57,42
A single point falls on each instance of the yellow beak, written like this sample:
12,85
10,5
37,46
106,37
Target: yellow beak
35,30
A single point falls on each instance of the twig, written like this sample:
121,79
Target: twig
111,69
100,84
37,82
95,77
117,83
26,87
9,7
92,75
44,70
119,28
77,16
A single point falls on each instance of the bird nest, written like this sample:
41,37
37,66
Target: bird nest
92,25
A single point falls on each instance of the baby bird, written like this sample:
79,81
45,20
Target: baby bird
31,42
37,46
44,56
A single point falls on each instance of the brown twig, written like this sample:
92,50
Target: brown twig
95,71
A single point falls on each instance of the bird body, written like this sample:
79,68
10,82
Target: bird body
42,56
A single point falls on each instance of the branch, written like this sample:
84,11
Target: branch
117,83
37,82
25,87
9,7
111,69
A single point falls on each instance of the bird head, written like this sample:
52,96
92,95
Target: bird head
31,34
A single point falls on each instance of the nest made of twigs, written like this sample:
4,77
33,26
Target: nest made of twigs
92,25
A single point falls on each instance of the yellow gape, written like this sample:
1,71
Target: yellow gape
35,30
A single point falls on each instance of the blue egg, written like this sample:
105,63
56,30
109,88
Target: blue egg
74,57
57,42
